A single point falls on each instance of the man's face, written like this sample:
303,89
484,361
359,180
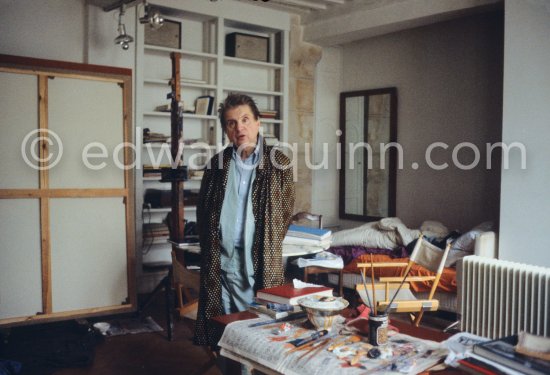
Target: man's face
241,127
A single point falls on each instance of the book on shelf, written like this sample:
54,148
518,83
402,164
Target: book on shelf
150,137
164,107
155,230
301,231
266,113
262,308
502,351
204,105
288,294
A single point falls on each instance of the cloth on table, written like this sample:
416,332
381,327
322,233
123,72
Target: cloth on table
349,253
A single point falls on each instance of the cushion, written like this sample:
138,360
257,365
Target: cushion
430,228
465,244
467,241
366,235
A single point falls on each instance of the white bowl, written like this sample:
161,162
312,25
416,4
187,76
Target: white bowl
323,311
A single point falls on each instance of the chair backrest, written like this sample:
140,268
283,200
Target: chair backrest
429,256
307,216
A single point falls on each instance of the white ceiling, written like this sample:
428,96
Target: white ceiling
334,22
301,7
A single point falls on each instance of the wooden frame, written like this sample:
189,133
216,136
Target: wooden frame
45,70
346,140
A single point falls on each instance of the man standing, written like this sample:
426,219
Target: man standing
245,206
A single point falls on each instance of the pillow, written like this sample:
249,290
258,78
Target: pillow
366,235
454,256
430,228
467,241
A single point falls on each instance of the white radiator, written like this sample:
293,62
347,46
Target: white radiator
501,298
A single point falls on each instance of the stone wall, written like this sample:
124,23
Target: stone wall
303,61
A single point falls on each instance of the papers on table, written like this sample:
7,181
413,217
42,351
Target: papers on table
322,259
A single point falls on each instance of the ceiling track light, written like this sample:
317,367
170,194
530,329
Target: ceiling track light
152,17
123,39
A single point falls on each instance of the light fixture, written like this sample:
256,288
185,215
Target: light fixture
123,39
152,17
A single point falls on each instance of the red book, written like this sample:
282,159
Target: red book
287,294
475,366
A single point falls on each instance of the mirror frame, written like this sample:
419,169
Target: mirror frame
392,155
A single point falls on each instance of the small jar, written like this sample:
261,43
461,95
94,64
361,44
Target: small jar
378,329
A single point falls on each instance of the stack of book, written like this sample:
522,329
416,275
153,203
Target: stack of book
308,237
500,356
151,137
287,294
150,171
274,310
165,171
155,230
267,113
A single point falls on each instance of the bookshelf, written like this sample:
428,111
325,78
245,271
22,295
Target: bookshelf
206,70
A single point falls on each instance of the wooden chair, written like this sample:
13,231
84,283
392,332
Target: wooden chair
184,282
315,271
393,294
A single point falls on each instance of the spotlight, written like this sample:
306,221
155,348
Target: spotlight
152,17
123,39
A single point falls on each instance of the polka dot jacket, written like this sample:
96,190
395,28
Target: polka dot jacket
272,205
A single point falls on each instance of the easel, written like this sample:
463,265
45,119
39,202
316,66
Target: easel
177,224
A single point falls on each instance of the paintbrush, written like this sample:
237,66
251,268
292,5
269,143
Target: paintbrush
366,291
372,283
316,348
345,341
313,337
289,318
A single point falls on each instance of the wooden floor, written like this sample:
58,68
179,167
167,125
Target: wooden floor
41,348
151,353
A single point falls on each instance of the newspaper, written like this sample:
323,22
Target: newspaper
460,346
268,348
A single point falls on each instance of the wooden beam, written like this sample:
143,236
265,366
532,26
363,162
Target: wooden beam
40,318
60,67
45,242
62,193
302,4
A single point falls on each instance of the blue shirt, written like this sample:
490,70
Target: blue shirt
243,177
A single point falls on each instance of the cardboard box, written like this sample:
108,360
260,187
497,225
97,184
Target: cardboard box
169,35
247,46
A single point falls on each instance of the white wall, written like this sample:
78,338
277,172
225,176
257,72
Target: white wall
448,78
59,29
525,209
50,29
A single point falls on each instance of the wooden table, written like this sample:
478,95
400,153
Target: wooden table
403,327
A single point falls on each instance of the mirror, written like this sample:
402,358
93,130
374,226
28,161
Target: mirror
368,121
